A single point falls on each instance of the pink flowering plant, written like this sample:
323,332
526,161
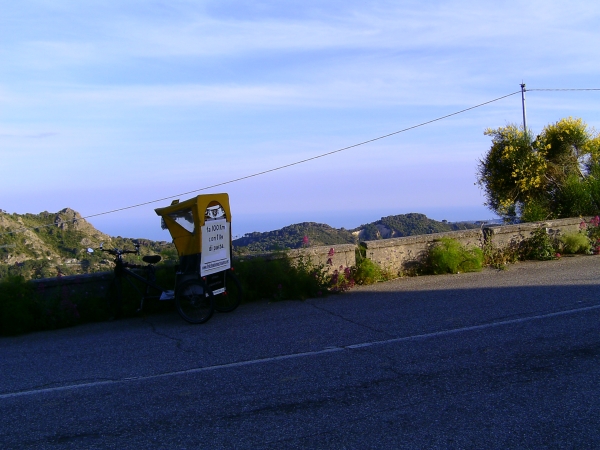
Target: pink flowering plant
341,280
330,256
593,232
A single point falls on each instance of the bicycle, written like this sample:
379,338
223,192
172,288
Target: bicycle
194,296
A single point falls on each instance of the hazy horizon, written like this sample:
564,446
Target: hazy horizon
150,229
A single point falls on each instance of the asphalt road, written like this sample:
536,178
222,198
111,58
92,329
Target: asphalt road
497,359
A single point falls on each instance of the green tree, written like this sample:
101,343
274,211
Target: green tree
555,174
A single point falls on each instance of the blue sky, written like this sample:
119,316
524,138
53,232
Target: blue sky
106,104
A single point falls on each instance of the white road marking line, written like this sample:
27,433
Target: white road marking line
296,355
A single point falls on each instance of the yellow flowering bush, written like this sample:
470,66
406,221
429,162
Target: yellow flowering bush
523,177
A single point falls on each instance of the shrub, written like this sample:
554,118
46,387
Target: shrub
449,256
539,246
535,210
593,232
18,306
341,280
575,243
25,307
500,257
367,272
280,279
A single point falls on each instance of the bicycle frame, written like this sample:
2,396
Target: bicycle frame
193,294
121,271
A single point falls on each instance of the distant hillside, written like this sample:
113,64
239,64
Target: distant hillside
293,236
29,247
408,225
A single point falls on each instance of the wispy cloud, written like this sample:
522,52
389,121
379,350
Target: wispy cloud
350,54
155,85
41,135
402,91
194,32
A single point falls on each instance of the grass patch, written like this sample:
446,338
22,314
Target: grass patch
369,272
450,256
573,243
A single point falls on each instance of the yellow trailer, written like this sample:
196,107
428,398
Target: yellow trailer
201,231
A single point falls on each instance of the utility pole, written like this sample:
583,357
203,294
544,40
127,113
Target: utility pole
523,102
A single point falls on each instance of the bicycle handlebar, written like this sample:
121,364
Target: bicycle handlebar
116,251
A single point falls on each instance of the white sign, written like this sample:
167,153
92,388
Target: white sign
215,247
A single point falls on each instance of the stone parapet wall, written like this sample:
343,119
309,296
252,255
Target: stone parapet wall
400,254
395,254
502,236
330,256
92,284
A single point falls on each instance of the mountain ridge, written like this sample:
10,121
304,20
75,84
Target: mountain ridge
50,244
313,233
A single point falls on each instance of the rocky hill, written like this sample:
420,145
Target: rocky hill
46,244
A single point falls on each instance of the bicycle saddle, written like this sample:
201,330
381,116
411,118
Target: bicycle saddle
151,259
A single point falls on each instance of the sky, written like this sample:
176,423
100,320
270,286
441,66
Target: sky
110,104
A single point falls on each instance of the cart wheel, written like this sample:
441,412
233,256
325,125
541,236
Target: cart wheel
231,298
194,301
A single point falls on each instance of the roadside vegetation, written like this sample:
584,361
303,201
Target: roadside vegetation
556,174
449,256
27,306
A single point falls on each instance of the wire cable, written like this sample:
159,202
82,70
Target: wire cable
583,89
303,160
279,167
293,163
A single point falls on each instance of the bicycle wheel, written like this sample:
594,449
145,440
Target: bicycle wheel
194,301
231,298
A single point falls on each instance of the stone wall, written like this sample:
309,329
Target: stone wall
400,254
331,256
396,254
502,236
93,284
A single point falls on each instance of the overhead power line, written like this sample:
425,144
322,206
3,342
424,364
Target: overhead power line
585,89
303,160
